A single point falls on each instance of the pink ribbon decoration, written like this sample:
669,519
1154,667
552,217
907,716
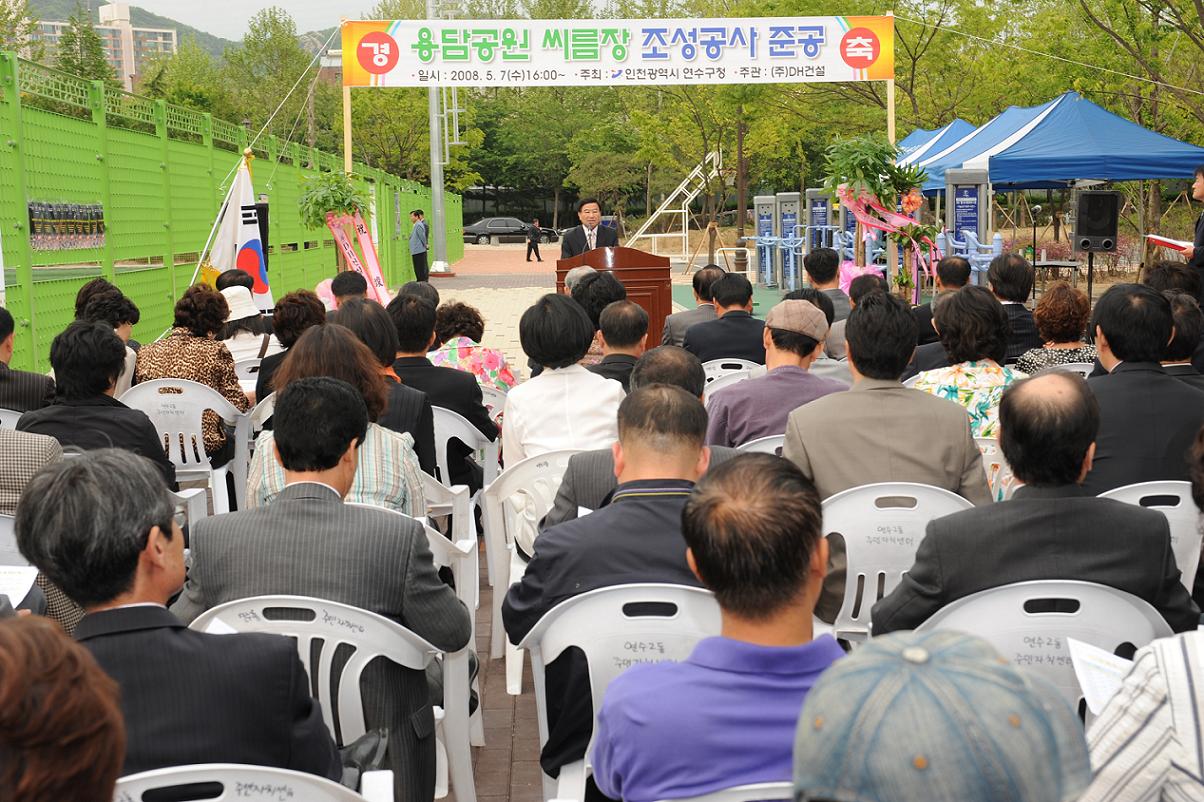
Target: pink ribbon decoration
370,271
874,216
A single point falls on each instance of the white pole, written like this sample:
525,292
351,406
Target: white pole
436,239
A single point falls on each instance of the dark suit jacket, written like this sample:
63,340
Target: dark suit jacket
192,697
1196,259
635,539
1041,533
929,356
100,422
574,242
925,333
409,410
267,369
1186,374
1022,331
615,366
1148,421
678,323
22,391
308,543
735,335
458,391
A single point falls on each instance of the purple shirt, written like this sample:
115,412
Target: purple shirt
759,407
726,716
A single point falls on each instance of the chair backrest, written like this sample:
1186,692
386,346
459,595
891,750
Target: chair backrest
449,425
233,781
247,369
619,627
1084,369
724,380
717,368
9,553
327,625
9,418
494,400
771,444
1172,499
538,477
262,411
882,526
442,500
175,407
1029,622
999,473
745,793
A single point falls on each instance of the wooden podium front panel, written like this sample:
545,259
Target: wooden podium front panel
645,276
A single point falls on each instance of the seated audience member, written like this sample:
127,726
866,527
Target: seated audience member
307,542
678,323
414,320
387,473
421,289
931,356
565,406
636,538
589,478
1172,275
881,431
61,729
234,277
755,408
348,284
571,280
882,725
20,390
119,312
735,334
594,292
294,313
822,266
973,328
1011,280
88,358
1052,528
90,289
860,287
952,273
246,332
190,351
623,329
406,410
1061,317
754,537
1148,419
574,276
822,365
102,527
1189,327
459,329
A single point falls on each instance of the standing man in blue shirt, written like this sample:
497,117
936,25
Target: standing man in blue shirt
419,244
728,714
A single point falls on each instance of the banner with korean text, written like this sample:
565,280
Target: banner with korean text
618,52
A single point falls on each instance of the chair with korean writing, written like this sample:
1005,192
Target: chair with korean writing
326,627
225,782
745,793
882,526
494,400
718,368
616,628
999,473
771,444
726,380
1029,622
1172,499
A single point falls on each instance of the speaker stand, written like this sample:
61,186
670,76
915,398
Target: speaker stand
1090,275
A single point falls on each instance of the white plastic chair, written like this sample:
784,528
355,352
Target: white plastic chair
450,425
911,382
610,627
332,625
999,473
882,526
745,793
717,368
539,478
726,380
247,369
9,418
771,444
1172,499
494,400
250,784
176,407
1029,622
1084,369
9,553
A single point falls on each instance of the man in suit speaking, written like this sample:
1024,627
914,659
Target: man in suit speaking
590,234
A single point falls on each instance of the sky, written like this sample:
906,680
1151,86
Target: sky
228,18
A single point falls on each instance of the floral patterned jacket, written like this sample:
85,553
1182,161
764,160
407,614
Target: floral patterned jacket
978,386
487,364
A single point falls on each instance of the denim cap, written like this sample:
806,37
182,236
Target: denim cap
936,717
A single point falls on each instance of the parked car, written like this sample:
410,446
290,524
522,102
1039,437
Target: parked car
505,229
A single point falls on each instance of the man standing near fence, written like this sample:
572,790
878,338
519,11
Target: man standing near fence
419,244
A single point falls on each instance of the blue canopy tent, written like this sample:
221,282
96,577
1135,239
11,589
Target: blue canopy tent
923,141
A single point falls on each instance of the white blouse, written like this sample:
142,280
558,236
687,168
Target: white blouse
560,408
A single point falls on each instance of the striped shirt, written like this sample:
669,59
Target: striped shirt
1147,744
386,473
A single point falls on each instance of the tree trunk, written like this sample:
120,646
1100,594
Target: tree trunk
556,207
648,191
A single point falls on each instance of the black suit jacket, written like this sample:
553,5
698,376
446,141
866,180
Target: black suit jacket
458,391
100,422
409,410
267,369
735,335
1041,533
637,538
192,697
1022,331
929,356
1148,421
1186,374
574,242
22,391
925,333
617,367
1197,255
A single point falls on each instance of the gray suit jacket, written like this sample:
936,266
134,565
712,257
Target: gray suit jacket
677,323
881,431
589,480
308,543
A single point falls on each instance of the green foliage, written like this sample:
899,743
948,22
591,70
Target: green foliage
17,26
330,192
139,17
191,77
82,53
867,164
263,68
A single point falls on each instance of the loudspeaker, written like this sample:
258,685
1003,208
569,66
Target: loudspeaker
1095,222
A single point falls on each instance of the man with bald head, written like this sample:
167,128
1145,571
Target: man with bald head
1051,529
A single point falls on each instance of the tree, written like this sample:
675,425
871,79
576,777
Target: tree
82,53
190,77
265,67
17,27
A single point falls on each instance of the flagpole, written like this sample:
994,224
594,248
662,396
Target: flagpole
213,231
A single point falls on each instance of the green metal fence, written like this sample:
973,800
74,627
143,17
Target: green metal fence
160,172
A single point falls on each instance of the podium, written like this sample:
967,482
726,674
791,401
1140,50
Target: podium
644,275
